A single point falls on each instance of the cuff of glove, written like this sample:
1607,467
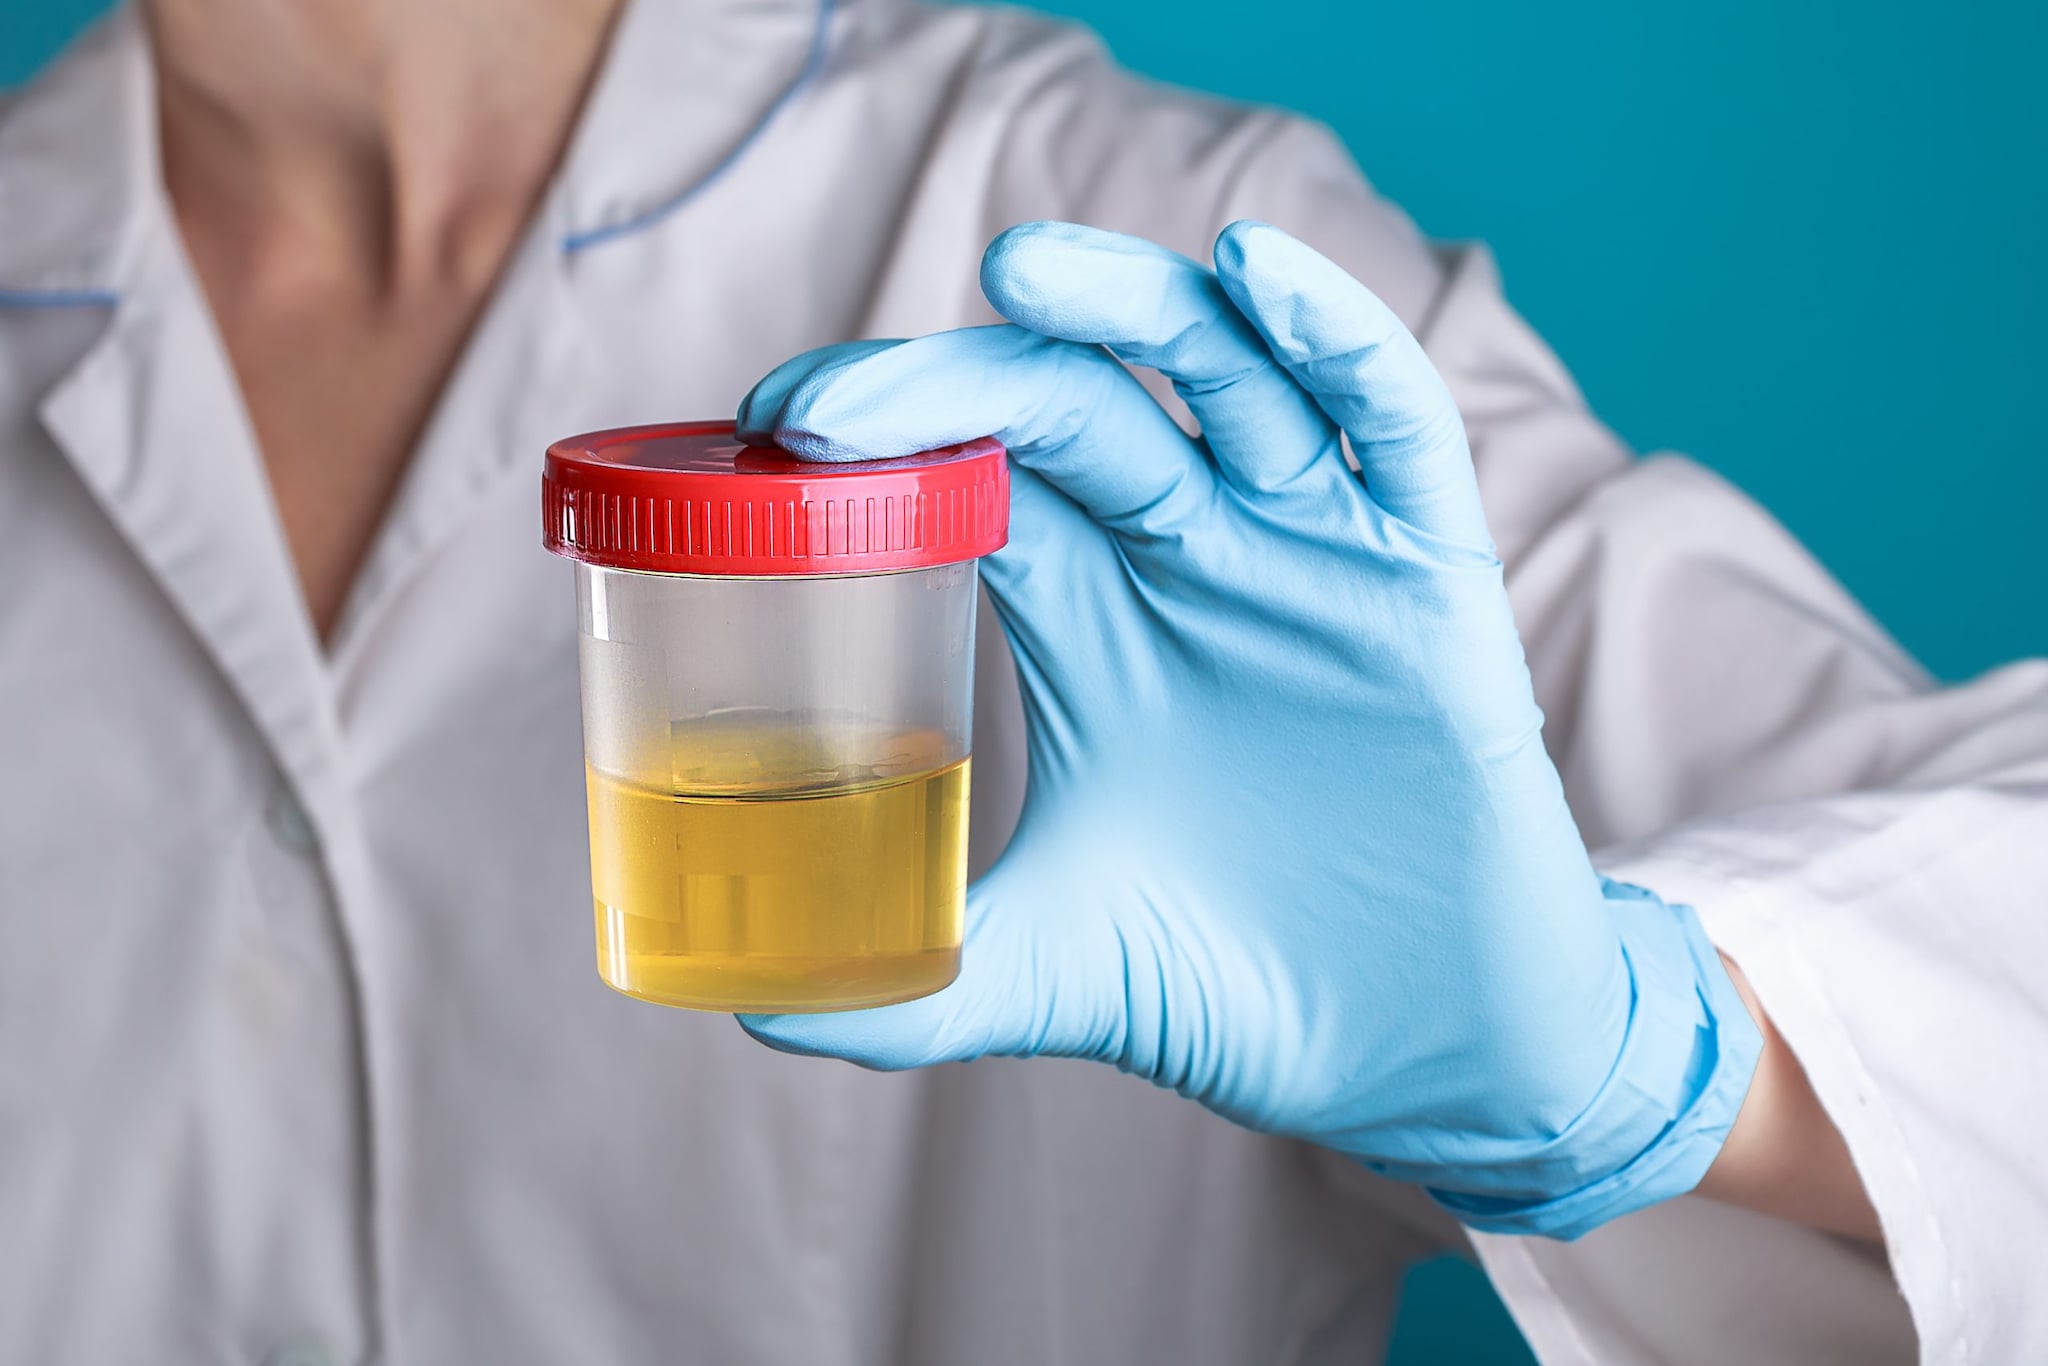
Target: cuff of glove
1659,1120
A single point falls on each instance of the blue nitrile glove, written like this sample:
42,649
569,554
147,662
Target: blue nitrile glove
1292,845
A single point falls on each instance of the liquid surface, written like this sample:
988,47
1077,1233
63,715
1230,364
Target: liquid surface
752,893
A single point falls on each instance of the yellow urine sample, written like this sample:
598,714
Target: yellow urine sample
755,880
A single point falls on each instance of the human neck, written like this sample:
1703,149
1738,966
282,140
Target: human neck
397,142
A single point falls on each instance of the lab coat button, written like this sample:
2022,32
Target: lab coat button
301,1355
289,824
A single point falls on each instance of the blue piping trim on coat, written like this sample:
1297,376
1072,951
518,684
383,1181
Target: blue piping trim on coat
58,298
814,62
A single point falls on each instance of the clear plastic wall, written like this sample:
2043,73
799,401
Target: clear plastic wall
778,772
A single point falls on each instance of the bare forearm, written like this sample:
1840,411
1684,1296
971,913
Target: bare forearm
1784,1157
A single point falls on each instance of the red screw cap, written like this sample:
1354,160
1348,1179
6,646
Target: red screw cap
688,498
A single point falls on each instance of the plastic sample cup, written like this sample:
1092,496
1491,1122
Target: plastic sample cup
778,676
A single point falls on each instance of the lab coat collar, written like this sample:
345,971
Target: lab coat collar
150,418
78,163
685,87
147,411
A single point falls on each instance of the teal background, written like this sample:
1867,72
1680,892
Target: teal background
1798,239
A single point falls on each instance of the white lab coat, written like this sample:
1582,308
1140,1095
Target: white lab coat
300,1042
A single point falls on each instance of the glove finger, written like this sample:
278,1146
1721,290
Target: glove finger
1009,999
1156,308
1350,352
1067,411
760,412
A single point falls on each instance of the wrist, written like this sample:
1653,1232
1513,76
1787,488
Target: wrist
1660,1119
1784,1156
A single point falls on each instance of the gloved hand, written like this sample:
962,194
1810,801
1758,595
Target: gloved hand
1292,845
